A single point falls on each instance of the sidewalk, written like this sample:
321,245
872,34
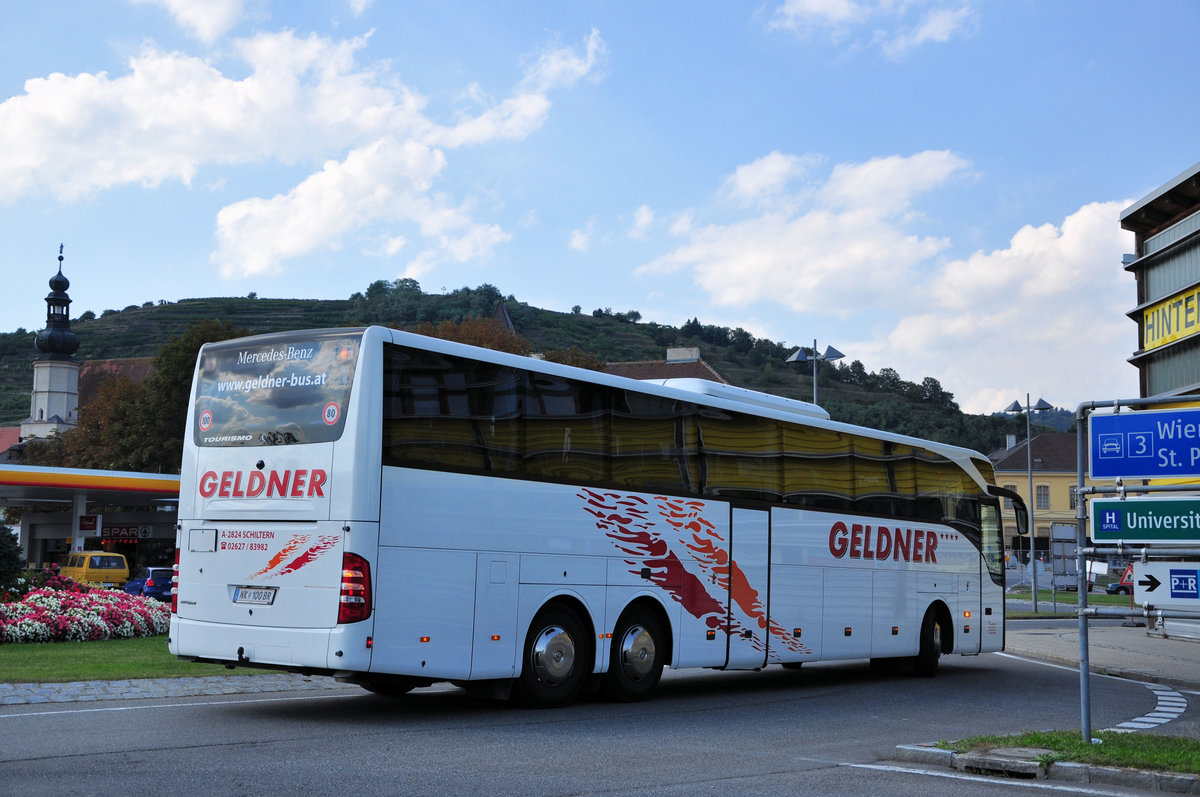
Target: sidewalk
149,688
1123,651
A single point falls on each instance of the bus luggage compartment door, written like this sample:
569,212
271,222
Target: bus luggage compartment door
748,589
424,606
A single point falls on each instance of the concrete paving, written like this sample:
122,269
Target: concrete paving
148,688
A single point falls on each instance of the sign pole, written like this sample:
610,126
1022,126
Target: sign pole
1085,684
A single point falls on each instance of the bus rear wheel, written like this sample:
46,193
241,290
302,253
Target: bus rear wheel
555,661
637,657
926,663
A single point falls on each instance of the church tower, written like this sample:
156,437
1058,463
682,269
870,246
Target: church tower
55,403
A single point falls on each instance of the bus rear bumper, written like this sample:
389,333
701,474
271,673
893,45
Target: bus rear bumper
309,650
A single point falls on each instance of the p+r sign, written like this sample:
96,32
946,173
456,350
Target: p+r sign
1145,445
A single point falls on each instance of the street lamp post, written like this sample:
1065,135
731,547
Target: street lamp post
1031,531
801,356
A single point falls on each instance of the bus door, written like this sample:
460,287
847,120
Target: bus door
970,608
749,543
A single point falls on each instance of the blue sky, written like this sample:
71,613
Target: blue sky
929,186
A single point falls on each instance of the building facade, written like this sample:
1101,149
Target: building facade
1055,488
1166,265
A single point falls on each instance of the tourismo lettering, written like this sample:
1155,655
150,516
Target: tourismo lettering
299,483
859,541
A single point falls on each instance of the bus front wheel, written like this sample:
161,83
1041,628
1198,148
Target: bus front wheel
556,659
926,663
637,657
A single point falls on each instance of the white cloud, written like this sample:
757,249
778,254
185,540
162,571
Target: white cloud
207,20
173,113
847,253
305,99
795,14
580,238
643,217
357,7
767,177
1046,315
562,67
387,181
895,27
939,25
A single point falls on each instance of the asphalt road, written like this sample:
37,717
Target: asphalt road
823,730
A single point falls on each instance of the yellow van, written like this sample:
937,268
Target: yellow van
97,568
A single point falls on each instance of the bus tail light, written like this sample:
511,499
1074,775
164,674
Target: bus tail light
355,598
175,585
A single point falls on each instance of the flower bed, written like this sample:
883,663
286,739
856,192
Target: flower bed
62,610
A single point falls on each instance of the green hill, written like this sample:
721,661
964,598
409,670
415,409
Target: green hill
882,400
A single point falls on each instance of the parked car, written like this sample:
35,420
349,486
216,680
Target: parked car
1119,588
98,568
151,582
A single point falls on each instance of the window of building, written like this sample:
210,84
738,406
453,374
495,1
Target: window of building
1074,496
1008,501
1043,496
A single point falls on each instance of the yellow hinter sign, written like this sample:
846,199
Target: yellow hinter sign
1171,319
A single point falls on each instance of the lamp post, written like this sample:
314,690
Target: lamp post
1042,404
801,356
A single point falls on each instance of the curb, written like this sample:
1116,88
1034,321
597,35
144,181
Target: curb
1023,763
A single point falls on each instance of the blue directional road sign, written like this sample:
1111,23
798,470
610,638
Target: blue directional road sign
1171,585
1145,445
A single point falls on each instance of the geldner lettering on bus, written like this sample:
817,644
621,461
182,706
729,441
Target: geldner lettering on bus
907,545
299,483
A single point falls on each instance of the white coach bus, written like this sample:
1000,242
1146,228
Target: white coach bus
395,510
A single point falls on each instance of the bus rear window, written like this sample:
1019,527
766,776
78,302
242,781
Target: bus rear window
274,390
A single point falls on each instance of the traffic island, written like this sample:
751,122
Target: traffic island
1030,763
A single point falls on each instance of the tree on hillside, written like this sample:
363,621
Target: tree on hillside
163,406
485,332
575,356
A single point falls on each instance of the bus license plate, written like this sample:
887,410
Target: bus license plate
263,596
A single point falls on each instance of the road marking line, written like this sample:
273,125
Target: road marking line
1171,706
1012,784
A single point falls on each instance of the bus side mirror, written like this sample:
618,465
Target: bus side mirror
1018,506
1022,519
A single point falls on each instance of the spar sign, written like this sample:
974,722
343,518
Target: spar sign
1145,445
1146,520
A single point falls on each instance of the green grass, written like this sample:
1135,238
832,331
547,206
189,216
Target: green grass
107,660
1130,750
1045,596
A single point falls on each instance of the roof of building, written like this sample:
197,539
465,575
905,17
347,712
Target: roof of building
9,437
1162,207
95,373
667,369
1052,451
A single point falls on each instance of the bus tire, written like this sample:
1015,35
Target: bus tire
556,659
926,663
637,657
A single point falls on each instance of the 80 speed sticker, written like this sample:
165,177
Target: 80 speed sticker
331,413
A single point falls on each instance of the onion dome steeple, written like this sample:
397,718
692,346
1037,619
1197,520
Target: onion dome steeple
57,341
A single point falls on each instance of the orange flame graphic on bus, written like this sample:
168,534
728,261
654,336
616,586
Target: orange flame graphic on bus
628,522
298,541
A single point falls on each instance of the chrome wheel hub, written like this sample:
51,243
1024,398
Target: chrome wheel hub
553,655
